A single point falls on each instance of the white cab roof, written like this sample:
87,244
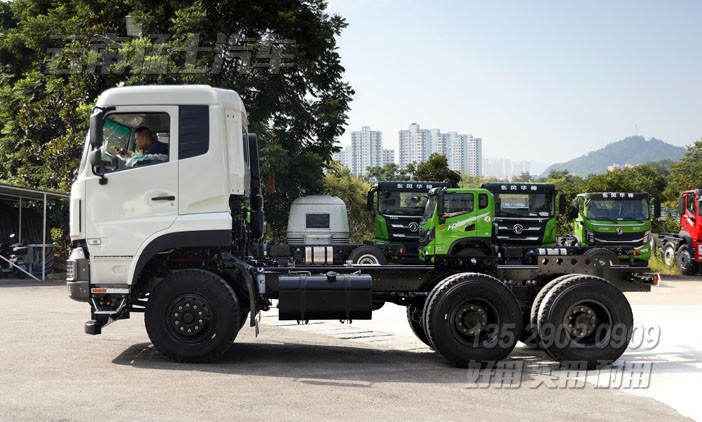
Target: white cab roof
171,95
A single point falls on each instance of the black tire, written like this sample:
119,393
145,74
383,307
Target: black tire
685,260
604,256
669,255
601,319
530,332
415,317
195,300
367,255
472,317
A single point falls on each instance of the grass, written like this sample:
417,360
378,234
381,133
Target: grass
658,266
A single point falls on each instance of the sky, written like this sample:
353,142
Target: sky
538,80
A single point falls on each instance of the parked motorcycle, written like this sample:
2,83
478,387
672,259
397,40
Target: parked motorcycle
12,259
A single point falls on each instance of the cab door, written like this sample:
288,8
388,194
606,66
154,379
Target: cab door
136,203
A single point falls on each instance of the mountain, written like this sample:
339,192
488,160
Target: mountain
632,150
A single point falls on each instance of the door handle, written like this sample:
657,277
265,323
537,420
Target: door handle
163,198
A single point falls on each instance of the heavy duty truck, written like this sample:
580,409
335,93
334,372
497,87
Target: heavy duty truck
619,222
397,207
684,249
180,240
525,213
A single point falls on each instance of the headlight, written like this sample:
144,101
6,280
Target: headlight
590,236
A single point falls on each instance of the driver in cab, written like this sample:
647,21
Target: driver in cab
151,151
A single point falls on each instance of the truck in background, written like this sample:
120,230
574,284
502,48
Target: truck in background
397,208
619,223
156,239
684,249
457,221
525,213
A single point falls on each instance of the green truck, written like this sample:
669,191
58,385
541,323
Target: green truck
398,207
457,221
525,213
616,221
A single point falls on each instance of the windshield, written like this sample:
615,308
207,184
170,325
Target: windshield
617,209
405,203
523,204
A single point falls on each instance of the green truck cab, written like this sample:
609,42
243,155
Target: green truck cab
398,208
525,213
617,221
457,221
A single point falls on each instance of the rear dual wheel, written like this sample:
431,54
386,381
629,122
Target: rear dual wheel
472,318
585,320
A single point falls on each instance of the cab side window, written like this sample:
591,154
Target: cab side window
135,140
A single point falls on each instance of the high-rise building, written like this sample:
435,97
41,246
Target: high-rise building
475,156
499,168
463,152
388,156
415,145
342,157
520,167
366,149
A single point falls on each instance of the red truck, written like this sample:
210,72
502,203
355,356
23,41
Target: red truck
685,248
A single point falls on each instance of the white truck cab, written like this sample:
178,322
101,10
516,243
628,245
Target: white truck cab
124,210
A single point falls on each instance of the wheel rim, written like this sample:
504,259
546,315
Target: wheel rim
190,317
669,256
684,259
474,322
367,259
588,323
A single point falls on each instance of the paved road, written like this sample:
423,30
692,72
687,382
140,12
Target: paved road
52,371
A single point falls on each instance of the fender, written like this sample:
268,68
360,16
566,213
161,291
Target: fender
196,239
483,242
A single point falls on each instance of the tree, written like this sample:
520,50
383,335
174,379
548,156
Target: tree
436,169
282,59
524,177
352,190
641,178
390,171
687,173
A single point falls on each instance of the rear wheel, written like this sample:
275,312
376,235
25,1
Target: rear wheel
414,317
669,254
192,316
530,332
585,319
367,255
472,317
686,261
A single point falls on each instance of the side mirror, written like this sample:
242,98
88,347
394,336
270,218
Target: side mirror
440,208
369,200
681,205
656,209
96,122
572,213
561,204
97,166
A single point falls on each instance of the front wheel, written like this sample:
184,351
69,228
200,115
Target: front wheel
686,260
192,316
367,255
